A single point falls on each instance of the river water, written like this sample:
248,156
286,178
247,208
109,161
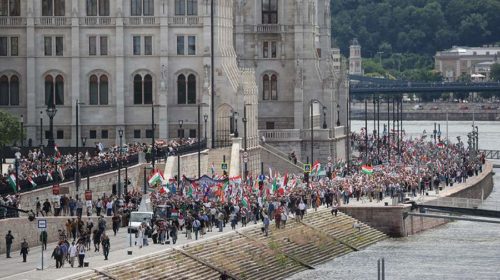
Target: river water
457,250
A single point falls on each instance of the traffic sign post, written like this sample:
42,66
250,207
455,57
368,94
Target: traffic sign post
307,168
42,226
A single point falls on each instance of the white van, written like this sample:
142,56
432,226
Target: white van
418,107
136,218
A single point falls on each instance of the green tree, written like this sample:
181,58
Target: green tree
495,72
10,129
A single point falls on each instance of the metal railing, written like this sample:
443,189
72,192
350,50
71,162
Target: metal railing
491,154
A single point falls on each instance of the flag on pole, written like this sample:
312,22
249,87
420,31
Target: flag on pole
367,169
244,202
32,182
61,174
12,182
285,179
315,168
156,178
56,152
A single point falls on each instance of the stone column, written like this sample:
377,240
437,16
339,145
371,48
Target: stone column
165,80
31,98
120,87
75,70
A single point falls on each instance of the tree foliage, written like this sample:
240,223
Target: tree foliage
414,26
495,72
10,129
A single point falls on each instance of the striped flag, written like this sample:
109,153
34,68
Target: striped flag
56,152
367,169
12,182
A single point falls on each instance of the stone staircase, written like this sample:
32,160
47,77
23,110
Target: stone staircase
301,242
279,160
216,156
342,229
91,275
245,258
166,265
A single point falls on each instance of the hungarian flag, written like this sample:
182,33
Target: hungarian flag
156,178
57,154
163,190
275,186
32,182
285,179
367,169
61,174
315,168
244,202
12,182
235,180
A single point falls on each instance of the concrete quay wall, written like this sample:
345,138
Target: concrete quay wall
393,221
22,228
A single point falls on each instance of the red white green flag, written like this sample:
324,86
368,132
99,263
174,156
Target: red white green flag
367,169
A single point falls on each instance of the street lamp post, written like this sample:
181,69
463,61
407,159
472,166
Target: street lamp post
84,141
235,117
205,118
153,126
199,140
338,115
17,155
477,138
181,122
51,112
312,133
324,117
244,120
120,133
77,172
41,129
21,120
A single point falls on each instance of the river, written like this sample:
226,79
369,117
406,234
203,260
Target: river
457,250
489,131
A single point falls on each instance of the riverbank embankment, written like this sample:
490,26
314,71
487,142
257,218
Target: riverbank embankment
395,221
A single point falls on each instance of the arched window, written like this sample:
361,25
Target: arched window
274,87
137,89
14,90
191,94
98,90
103,90
181,89
143,89
148,89
186,89
269,11
265,87
4,90
49,90
59,90
93,90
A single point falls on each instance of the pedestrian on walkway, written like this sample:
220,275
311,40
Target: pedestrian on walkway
8,242
57,254
266,224
196,228
24,249
43,239
72,253
81,254
105,246
116,223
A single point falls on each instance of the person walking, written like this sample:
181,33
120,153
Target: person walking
43,239
196,228
105,245
24,249
81,254
116,223
57,255
266,224
72,253
8,242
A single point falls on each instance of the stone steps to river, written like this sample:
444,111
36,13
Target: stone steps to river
248,254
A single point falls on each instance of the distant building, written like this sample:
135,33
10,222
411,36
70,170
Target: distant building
355,60
466,61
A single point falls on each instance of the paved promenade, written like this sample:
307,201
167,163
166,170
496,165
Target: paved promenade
14,268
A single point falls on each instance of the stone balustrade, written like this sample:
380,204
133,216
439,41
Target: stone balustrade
12,21
53,21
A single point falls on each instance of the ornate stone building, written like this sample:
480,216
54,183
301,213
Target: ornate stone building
119,59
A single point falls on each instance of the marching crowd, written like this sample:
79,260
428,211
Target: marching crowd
193,208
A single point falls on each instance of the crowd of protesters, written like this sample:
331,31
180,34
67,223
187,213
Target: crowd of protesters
38,168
